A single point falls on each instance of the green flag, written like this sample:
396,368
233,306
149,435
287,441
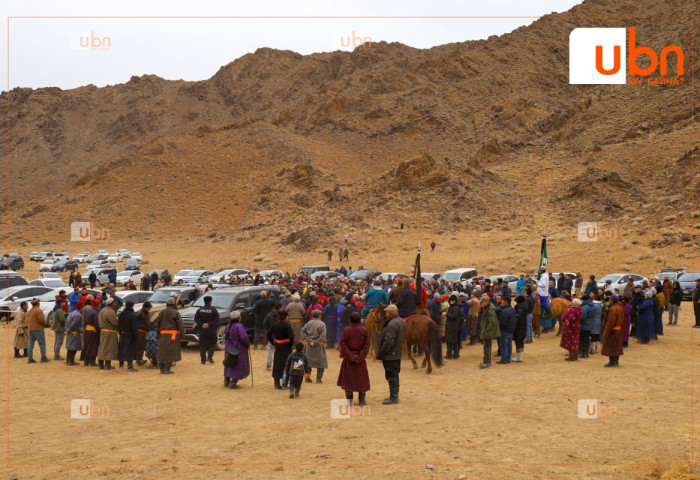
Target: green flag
543,256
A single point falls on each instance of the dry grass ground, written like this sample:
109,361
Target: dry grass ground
508,421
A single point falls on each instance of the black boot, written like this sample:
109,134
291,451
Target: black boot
617,361
226,382
162,368
17,355
101,364
296,393
349,397
611,362
167,368
393,398
362,401
233,384
130,367
319,375
108,365
277,384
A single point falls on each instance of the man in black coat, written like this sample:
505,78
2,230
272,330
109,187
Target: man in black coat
568,284
391,340
281,336
206,320
406,301
261,309
128,332
637,299
507,321
143,322
154,279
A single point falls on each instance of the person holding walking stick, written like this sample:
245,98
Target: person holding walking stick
236,361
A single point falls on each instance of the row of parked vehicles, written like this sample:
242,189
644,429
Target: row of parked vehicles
61,261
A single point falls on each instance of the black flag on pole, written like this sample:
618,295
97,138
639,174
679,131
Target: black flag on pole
417,273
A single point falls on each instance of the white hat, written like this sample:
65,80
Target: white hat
109,301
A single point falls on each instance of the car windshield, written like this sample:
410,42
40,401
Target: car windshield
196,273
54,282
689,277
219,300
124,274
48,296
51,275
162,295
450,276
612,278
184,272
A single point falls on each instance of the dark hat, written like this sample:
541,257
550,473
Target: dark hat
453,297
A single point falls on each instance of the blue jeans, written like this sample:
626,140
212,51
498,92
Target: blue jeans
528,335
41,339
506,344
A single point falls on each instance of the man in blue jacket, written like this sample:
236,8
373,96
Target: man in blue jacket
373,297
507,322
587,313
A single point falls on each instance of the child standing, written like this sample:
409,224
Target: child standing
296,367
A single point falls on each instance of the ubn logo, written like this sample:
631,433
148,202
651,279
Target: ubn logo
596,57
84,409
594,231
591,409
349,42
89,41
87,231
343,408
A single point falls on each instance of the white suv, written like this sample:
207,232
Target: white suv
114,257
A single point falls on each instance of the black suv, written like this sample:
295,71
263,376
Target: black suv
65,265
227,300
12,262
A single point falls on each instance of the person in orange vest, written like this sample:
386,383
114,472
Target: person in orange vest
171,330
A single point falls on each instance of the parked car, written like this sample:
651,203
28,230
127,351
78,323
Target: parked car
512,280
459,274
687,282
81,257
49,282
225,274
60,256
9,278
103,252
97,256
617,281
136,256
136,296
32,256
196,276
41,256
49,275
385,276
115,257
671,273
65,265
364,274
124,253
124,276
179,275
47,265
309,269
97,264
429,276
270,273
183,297
225,300
102,274
131,264
326,274
12,261
11,297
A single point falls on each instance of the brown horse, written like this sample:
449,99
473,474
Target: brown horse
559,306
421,330
374,323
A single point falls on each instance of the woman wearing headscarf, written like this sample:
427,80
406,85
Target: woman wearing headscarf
237,337
645,321
571,335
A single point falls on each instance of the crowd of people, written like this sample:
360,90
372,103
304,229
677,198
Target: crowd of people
303,318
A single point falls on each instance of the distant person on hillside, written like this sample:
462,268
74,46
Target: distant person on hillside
432,246
347,236
330,255
345,254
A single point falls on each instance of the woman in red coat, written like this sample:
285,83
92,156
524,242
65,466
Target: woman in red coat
354,346
572,330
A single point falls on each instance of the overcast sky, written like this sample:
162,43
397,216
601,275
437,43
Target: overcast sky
70,52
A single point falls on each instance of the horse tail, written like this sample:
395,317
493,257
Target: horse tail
435,343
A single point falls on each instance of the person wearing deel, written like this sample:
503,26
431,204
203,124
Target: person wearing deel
207,319
237,337
171,330
391,340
